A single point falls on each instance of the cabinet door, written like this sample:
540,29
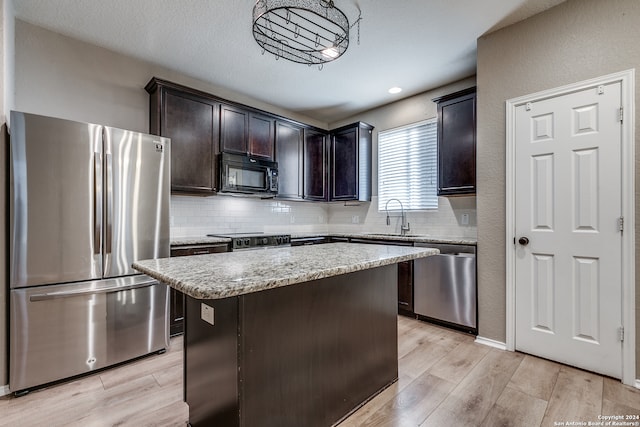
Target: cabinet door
192,125
289,153
457,145
315,155
234,132
405,287
344,165
261,136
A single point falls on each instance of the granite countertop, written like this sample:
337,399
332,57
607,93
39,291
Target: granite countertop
416,238
230,274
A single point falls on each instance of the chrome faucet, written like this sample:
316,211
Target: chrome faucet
404,227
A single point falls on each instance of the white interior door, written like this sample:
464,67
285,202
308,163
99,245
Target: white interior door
568,262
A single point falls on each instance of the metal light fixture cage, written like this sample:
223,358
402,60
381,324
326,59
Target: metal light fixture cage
304,31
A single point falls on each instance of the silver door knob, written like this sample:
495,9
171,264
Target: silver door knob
523,241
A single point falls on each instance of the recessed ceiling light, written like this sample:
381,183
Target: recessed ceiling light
395,89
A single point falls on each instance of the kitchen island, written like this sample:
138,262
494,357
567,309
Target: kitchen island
286,336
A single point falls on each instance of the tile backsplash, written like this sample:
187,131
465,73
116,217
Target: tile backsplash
455,217
198,216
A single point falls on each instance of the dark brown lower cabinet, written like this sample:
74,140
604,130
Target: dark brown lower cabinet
405,288
176,298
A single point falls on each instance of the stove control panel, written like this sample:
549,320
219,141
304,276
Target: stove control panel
255,242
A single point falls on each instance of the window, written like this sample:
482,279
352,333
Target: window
408,166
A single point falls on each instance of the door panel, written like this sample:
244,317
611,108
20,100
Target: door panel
54,216
137,179
568,201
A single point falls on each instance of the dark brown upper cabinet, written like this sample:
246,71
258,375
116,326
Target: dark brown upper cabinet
289,155
350,169
191,120
246,132
457,143
315,165
261,136
234,130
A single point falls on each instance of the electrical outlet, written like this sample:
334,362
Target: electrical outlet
207,313
292,219
464,219
355,219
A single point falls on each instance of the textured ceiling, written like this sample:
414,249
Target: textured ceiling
414,44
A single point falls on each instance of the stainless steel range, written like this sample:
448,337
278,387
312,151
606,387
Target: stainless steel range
257,240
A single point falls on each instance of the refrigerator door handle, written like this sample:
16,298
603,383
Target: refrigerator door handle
68,294
97,205
109,205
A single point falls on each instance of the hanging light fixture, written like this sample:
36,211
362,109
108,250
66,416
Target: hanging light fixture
304,31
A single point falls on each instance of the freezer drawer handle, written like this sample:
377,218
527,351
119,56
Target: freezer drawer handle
56,295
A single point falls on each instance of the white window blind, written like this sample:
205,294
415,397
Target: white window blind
408,166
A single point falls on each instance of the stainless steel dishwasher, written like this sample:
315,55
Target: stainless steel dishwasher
445,286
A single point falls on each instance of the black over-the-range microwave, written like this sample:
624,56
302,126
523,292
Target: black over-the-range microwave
248,175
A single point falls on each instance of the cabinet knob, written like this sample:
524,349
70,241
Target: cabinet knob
523,241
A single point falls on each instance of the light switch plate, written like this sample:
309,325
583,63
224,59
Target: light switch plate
465,219
207,313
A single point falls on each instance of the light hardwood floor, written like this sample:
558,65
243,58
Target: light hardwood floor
445,379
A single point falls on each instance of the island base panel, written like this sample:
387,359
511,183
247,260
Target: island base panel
211,363
312,353
308,354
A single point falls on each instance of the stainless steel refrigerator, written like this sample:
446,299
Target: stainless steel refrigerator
85,201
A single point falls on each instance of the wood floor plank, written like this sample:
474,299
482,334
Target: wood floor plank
577,396
175,414
140,368
358,417
460,361
536,377
119,404
610,407
615,391
516,409
472,399
412,405
421,358
53,405
424,332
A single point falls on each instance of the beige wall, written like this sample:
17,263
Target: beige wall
6,102
577,40
63,77
446,221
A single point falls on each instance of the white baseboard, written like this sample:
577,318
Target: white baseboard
491,343
637,383
4,390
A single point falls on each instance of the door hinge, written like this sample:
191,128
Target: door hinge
621,224
621,114
621,333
